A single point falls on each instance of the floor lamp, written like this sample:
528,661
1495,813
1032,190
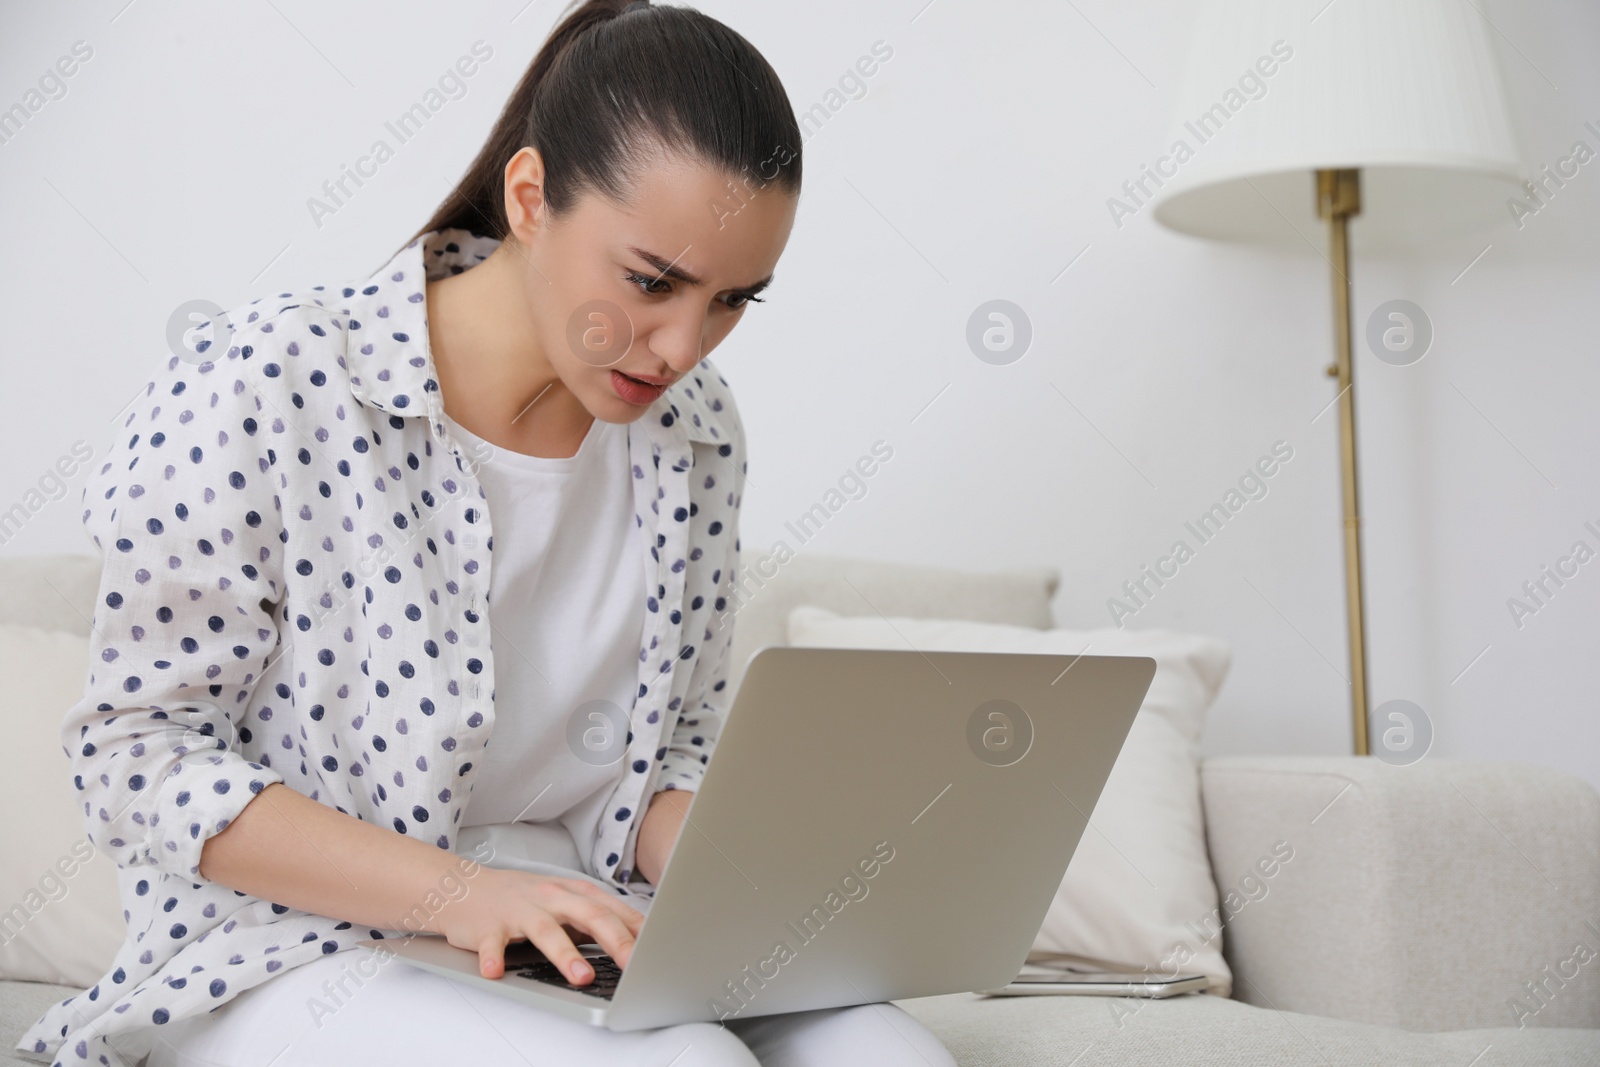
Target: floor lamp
1298,121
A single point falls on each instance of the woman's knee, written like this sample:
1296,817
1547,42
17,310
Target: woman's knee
882,1034
698,1045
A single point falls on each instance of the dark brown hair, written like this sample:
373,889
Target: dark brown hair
617,82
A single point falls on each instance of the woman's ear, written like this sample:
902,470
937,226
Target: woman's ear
524,191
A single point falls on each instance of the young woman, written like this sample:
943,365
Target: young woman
492,488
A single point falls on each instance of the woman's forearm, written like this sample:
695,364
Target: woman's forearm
658,834
286,848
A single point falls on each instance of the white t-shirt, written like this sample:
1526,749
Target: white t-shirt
567,611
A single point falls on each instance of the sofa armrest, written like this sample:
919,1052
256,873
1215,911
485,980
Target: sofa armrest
1446,895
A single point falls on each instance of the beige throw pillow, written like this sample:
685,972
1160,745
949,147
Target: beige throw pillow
1139,891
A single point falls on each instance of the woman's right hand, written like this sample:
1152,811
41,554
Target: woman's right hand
507,905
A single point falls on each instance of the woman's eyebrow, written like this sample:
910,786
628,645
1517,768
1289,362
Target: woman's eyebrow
667,268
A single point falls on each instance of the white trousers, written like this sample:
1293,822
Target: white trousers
405,1015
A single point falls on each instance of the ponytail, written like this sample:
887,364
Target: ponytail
616,81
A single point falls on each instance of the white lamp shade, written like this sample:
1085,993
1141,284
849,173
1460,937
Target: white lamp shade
1408,91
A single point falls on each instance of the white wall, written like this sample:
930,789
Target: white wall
977,166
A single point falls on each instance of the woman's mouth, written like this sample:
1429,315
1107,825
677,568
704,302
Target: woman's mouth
633,390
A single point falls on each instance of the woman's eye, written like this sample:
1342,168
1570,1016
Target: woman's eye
645,282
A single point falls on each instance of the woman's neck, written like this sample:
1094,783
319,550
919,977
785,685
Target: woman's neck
493,376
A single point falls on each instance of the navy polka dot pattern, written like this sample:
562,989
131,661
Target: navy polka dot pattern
295,590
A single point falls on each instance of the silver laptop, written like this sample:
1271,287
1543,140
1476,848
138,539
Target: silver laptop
876,825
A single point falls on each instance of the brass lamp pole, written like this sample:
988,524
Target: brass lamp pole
1405,99
1338,198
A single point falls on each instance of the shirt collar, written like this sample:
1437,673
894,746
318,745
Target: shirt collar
391,364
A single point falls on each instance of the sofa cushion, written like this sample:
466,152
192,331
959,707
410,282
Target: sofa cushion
1074,1031
1139,892
770,586
63,915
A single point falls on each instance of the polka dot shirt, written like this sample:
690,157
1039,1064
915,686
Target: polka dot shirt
295,590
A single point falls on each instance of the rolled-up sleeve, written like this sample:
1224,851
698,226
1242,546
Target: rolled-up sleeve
700,723
187,521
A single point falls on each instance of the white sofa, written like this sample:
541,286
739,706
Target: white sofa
1423,904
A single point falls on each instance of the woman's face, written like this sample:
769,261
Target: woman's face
647,289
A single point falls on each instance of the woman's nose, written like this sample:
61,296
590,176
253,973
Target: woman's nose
681,343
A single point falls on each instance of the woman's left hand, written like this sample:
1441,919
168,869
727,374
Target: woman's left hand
663,819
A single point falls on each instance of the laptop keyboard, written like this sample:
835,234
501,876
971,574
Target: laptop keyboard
606,976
